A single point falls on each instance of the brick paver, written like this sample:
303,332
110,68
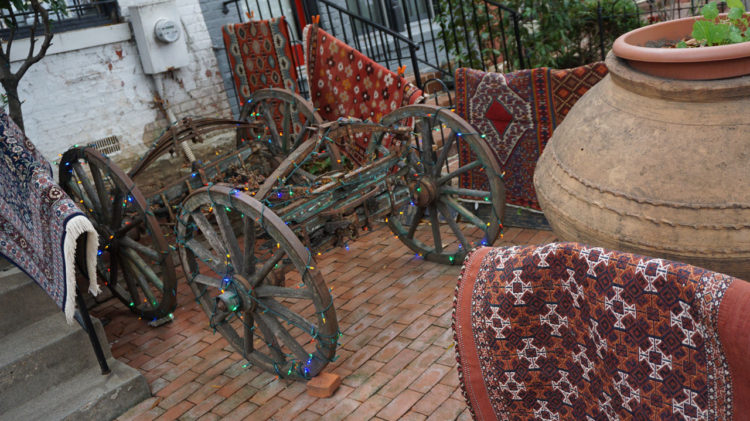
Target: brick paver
396,356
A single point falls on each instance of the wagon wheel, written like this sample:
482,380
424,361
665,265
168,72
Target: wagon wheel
433,214
259,287
285,116
134,259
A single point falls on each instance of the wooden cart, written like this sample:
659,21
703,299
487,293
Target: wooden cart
248,222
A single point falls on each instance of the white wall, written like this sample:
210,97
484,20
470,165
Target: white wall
79,96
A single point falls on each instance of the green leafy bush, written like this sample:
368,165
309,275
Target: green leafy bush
554,33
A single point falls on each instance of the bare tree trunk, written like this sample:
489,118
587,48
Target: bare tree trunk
10,80
14,104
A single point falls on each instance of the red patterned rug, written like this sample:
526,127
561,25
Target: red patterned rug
517,113
346,83
565,331
260,56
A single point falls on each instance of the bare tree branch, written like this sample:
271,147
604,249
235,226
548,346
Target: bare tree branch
40,11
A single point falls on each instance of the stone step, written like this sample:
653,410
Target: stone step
48,369
40,356
86,396
22,302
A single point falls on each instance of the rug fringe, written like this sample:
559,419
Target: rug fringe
77,226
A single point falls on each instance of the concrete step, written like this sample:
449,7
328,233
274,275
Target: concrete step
21,302
48,369
86,396
41,356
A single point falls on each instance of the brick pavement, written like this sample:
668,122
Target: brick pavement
396,355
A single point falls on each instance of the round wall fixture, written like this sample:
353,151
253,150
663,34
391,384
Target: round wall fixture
166,30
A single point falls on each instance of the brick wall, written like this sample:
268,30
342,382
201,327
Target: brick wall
80,96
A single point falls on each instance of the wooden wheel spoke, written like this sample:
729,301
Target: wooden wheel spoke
203,254
248,335
283,312
137,273
484,194
78,193
87,187
268,116
131,284
270,339
301,135
219,316
143,267
454,226
248,239
417,218
129,226
208,232
283,335
286,127
102,192
117,210
128,242
427,142
267,267
435,222
465,213
461,170
230,240
443,157
263,291
208,281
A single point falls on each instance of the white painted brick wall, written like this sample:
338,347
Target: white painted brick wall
80,96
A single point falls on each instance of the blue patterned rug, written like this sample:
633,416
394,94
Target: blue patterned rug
39,223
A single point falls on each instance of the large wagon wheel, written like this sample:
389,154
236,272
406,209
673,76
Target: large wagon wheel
285,116
134,259
438,218
259,287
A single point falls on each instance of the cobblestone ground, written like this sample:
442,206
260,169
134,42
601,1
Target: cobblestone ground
396,355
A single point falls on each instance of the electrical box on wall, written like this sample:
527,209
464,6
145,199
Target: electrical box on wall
159,36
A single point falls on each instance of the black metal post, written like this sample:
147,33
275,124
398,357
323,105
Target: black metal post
517,32
415,63
89,326
600,22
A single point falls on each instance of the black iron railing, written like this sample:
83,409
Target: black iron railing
78,14
434,37
373,39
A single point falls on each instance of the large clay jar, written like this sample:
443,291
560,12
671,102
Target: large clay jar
654,166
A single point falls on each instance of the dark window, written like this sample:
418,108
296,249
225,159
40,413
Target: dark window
79,14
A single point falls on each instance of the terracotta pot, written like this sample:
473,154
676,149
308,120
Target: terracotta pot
654,166
701,63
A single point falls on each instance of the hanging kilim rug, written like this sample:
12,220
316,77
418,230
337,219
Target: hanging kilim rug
517,112
569,332
346,83
39,224
260,56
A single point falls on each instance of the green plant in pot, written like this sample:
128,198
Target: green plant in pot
653,159
711,46
714,29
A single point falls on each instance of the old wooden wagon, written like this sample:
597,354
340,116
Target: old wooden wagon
248,220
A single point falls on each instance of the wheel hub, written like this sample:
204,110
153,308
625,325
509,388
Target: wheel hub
424,192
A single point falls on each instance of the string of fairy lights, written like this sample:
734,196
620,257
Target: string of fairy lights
280,196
